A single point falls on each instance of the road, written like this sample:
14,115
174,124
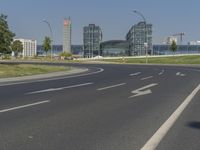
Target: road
110,107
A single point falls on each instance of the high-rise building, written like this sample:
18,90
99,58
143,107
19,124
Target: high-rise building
92,37
139,38
67,35
29,47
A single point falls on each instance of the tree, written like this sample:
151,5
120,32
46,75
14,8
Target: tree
173,46
65,55
17,47
46,44
6,36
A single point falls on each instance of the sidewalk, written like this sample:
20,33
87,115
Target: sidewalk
43,76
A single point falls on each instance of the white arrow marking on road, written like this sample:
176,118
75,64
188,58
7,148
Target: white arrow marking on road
161,72
135,74
140,92
180,74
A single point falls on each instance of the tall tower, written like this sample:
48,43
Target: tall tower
67,38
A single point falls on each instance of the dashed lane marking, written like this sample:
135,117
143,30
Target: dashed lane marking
24,106
147,78
58,89
112,86
135,74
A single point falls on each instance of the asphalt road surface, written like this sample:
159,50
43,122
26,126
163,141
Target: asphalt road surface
110,107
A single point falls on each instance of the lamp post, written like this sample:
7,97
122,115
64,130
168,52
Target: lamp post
45,21
146,38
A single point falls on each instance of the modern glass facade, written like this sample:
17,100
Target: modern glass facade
137,36
181,49
114,48
57,49
92,37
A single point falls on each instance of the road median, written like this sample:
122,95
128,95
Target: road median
66,72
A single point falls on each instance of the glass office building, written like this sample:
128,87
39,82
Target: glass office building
58,49
164,49
137,36
92,37
114,48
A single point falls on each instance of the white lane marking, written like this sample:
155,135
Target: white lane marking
147,78
58,89
162,72
135,74
109,87
180,74
51,79
24,106
153,142
140,92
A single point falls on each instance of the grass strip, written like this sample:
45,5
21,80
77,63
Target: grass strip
18,70
159,60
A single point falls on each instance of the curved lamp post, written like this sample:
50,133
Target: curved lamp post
50,29
146,38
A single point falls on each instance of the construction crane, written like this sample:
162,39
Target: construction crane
181,36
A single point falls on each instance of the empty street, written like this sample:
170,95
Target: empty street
107,107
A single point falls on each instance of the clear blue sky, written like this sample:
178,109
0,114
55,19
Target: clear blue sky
115,17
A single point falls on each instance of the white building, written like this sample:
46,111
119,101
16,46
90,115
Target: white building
170,39
67,38
194,43
29,47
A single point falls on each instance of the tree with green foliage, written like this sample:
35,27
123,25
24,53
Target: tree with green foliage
173,46
17,47
6,36
65,55
46,44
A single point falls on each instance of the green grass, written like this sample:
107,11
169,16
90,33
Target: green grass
194,59
17,70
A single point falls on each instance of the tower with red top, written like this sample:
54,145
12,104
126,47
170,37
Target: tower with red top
67,31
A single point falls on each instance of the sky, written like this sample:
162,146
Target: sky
115,17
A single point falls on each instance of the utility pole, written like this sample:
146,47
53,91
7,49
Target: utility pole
50,29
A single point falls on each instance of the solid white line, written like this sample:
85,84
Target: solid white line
53,78
24,106
153,142
135,74
58,89
147,78
112,86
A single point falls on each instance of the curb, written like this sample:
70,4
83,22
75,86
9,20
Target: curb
44,76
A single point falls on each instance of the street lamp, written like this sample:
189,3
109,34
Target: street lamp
45,21
146,38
